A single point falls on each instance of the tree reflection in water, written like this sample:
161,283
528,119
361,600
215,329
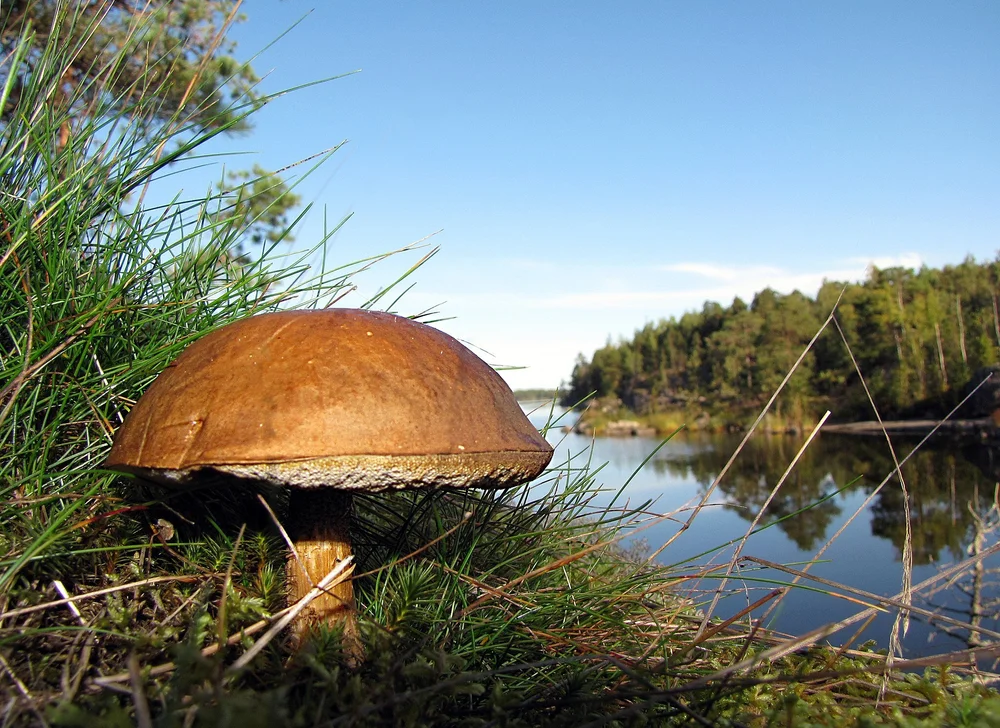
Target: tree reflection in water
946,487
952,499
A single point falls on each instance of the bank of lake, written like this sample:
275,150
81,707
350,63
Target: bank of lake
833,489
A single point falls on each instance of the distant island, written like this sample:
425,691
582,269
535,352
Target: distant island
922,339
534,395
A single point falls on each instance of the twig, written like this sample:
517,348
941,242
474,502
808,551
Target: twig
902,621
69,601
183,605
23,689
701,636
417,552
871,496
753,524
875,600
557,564
98,593
883,667
71,684
746,438
108,681
482,587
143,718
813,636
285,536
284,617
339,573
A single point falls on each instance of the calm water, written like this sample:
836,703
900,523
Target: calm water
951,491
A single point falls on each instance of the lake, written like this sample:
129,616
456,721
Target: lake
951,497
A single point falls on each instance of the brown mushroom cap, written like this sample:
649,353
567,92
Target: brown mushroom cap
339,397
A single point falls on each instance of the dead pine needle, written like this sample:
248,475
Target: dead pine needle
340,572
143,718
23,690
21,611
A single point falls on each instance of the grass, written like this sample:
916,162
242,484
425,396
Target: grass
124,604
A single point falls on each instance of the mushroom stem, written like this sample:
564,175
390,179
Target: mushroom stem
319,528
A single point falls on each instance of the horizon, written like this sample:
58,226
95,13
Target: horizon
593,172
748,301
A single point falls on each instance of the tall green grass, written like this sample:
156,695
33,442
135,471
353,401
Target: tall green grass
124,604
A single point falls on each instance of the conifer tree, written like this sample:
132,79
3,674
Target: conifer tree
179,70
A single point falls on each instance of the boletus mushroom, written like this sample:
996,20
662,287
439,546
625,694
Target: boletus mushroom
330,403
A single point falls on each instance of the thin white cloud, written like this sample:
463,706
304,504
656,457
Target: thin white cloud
626,299
853,268
665,296
720,272
906,260
543,322
676,301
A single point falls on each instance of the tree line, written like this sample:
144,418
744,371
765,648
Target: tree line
917,338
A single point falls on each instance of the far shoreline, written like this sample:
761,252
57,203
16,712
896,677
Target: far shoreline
601,420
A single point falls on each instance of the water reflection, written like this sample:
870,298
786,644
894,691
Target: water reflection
946,488
950,495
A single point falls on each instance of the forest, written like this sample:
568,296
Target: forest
918,338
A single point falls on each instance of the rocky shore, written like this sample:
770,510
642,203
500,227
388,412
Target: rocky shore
616,428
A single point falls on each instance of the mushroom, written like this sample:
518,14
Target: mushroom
329,403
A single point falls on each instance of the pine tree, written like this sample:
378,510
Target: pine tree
179,70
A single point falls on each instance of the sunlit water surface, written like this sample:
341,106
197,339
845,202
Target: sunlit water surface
950,490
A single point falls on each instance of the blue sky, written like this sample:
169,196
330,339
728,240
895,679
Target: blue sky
593,166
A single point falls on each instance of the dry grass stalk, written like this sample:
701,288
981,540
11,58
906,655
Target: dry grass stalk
760,515
143,717
746,438
10,614
279,620
341,572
